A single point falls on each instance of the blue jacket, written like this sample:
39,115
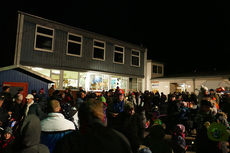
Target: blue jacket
50,138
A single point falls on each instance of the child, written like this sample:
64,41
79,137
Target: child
6,140
179,144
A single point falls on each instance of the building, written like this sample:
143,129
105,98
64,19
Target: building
17,77
154,70
156,81
74,57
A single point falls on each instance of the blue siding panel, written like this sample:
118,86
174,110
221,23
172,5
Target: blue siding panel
16,76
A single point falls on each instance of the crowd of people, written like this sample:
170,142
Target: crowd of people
114,122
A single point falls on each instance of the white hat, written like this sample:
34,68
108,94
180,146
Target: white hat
29,96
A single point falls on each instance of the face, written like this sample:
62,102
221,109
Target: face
63,95
121,97
7,136
82,95
29,100
173,98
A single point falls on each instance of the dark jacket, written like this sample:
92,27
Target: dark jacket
96,138
30,136
36,109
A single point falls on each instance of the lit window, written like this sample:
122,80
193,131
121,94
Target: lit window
43,71
74,45
135,58
44,38
70,79
118,55
98,50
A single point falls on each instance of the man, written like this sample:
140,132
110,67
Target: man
204,117
33,108
29,137
94,136
55,126
51,91
4,115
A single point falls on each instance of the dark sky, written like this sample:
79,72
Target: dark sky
185,35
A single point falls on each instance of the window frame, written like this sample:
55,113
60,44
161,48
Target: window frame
104,48
139,57
44,35
73,41
116,51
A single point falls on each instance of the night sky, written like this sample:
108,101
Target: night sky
186,36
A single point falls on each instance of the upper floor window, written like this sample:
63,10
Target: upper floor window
135,61
157,69
74,45
98,50
118,56
44,38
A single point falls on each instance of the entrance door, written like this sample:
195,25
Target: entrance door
15,86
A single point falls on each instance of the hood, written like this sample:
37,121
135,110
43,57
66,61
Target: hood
30,131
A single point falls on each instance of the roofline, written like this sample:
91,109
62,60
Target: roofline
192,77
134,46
26,69
153,61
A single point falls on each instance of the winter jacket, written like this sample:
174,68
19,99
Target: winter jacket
54,127
30,136
36,109
95,138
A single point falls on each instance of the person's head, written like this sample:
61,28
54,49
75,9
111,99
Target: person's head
34,92
129,108
90,110
29,98
20,91
6,89
211,91
53,106
205,106
8,133
121,97
62,95
173,98
42,91
82,94
19,98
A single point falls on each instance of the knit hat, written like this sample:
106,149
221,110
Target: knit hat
8,130
102,99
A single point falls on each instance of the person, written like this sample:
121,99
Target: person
80,99
93,136
155,140
36,98
33,108
7,98
29,139
178,139
173,113
17,107
51,90
4,115
55,126
7,140
204,117
214,96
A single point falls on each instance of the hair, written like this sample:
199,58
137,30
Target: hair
53,106
90,110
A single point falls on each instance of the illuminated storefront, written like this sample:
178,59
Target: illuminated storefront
90,81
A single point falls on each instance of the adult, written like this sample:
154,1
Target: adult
30,136
55,126
94,136
33,108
